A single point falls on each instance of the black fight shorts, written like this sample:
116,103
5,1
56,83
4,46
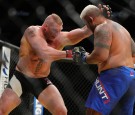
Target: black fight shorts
21,83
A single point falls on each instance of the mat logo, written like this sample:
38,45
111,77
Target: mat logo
38,108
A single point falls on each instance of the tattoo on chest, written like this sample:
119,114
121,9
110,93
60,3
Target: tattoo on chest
39,65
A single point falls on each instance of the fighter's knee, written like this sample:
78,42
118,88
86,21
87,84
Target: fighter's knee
60,111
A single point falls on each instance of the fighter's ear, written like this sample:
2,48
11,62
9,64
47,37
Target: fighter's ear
88,18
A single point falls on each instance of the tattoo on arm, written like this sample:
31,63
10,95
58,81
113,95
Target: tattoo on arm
98,44
102,39
39,65
31,32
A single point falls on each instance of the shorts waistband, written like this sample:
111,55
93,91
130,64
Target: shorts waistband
120,67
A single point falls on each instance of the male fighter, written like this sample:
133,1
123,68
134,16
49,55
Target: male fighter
40,46
114,53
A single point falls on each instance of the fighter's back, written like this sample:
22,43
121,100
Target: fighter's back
120,53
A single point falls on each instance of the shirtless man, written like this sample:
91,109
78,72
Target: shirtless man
114,53
40,46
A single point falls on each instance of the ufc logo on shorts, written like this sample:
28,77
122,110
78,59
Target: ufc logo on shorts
102,92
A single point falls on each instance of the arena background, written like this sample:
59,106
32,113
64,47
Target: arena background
73,81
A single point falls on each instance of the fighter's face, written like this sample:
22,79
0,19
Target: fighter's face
53,30
89,21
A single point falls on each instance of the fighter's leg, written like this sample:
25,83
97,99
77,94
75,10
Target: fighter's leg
10,98
126,103
8,101
52,100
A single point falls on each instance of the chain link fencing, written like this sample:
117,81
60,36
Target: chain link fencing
73,81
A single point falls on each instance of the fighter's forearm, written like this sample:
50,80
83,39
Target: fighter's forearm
52,54
76,35
95,58
92,59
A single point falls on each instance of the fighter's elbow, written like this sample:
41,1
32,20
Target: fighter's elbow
101,58
95,59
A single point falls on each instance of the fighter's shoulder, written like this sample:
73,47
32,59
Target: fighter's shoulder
103,26
31,29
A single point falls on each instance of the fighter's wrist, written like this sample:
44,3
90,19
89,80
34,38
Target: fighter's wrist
84,59
69,54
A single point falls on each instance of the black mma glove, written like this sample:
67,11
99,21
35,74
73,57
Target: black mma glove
79,56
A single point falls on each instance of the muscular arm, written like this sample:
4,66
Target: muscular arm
102,43
133,49
40,46
76,35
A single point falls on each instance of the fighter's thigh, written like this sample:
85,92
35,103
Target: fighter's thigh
9,100
51,98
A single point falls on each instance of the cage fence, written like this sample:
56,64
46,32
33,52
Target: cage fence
73,81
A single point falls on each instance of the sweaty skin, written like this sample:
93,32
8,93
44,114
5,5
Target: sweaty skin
114,52
40,46
37,52
110,50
